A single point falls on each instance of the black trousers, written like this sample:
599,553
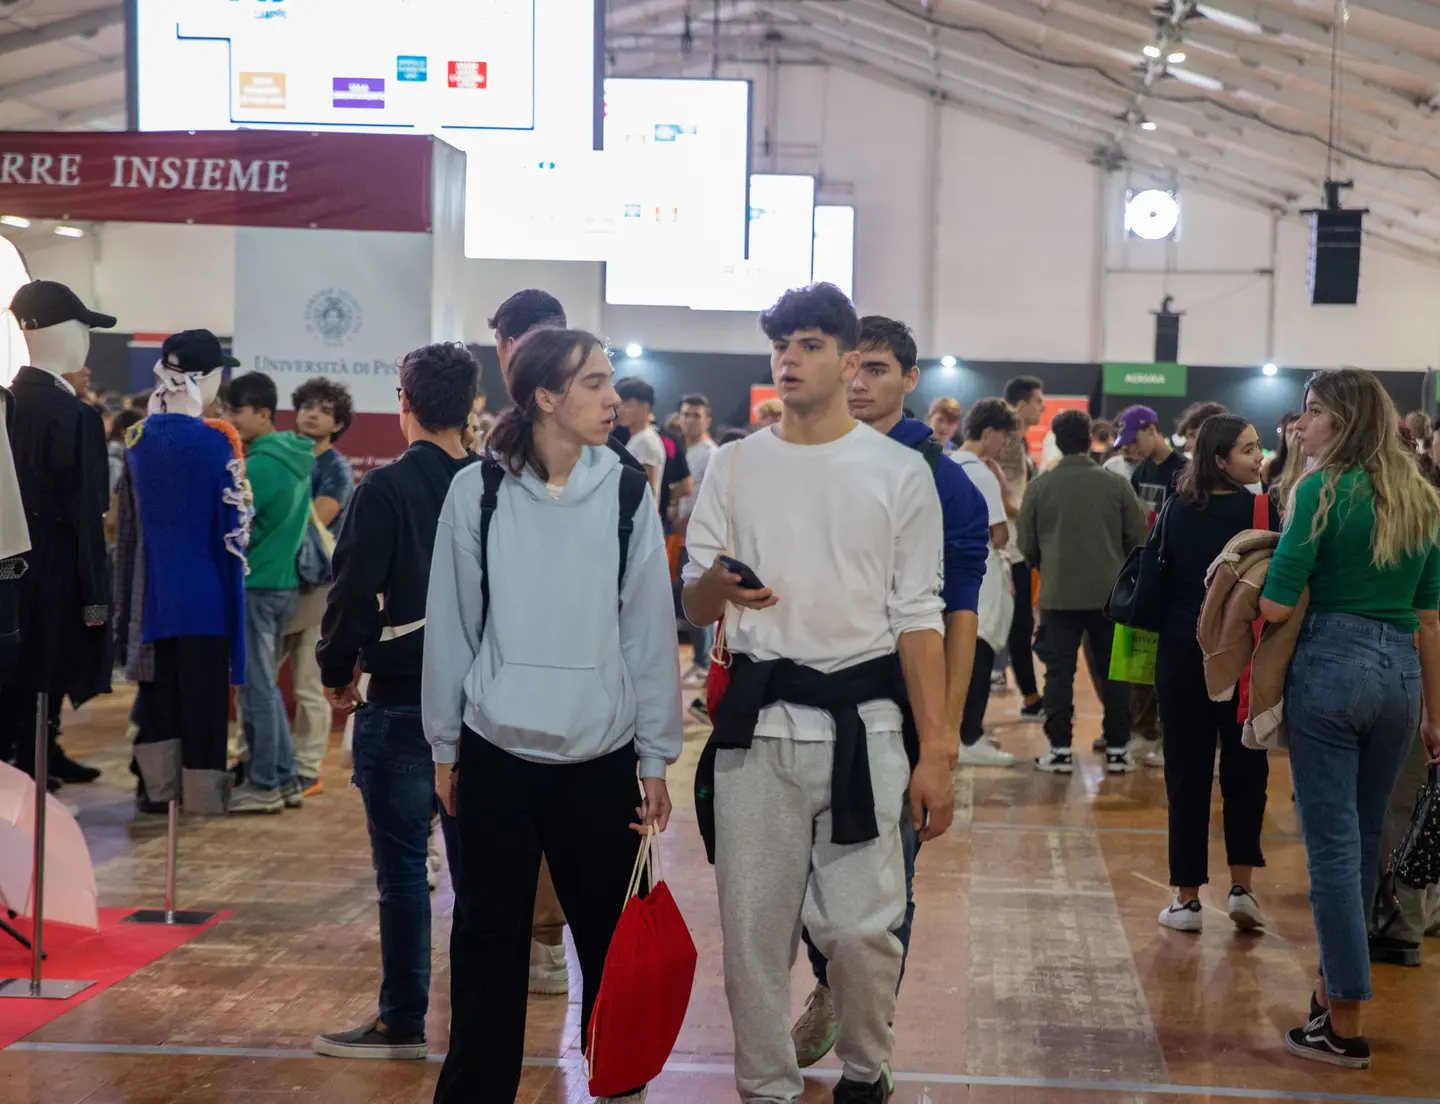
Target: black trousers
17,726
508,812
1062,632
189,701
977,697
1022,632
1192,725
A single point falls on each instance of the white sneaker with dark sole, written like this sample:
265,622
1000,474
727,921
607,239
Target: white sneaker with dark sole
1245,909
1183,918
549,975
814,1033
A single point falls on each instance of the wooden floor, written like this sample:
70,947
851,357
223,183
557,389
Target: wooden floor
1037,972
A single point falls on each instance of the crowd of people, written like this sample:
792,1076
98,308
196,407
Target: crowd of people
498,611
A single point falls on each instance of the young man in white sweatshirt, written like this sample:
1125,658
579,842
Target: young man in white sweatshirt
799,793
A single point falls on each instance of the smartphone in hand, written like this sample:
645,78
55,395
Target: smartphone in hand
748,579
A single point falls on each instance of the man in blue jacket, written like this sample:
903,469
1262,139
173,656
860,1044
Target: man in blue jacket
888,373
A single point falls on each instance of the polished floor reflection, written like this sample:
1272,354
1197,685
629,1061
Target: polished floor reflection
1037,972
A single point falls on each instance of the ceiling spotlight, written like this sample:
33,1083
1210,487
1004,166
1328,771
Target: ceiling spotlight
948,362
69,231
1152,214
1151,51
1148,124
1270,369
634,350
1177,58
15,221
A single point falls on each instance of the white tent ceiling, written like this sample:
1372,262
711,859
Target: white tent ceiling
1246,114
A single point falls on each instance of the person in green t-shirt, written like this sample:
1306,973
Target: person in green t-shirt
1361,532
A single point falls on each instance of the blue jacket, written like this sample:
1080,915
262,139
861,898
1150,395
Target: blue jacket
194,579
967,523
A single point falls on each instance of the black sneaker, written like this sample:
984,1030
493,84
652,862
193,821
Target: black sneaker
1100,747
853,1092
69,771
145,806
1318,1042
1394,952
1035,712
699,712
371,1041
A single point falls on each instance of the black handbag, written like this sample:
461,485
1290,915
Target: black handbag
1138,597
1416,862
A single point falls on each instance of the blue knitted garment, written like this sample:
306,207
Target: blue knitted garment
194,583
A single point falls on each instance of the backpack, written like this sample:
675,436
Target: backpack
632,493
932,450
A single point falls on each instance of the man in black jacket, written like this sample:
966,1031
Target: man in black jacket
375,618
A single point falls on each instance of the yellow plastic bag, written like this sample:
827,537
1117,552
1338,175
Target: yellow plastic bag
1132,655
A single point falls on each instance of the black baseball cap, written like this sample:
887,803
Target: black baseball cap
195,351
44,303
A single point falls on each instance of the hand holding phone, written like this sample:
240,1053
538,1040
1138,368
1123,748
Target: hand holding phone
748,579
734,583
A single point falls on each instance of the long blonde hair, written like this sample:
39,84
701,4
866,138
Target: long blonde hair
1367,436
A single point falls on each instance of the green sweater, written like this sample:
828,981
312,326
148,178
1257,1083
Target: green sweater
278,466
1337,567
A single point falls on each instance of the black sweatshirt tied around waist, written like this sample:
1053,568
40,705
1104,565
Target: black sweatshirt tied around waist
755,684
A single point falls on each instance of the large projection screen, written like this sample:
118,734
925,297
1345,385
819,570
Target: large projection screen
459,70
670,185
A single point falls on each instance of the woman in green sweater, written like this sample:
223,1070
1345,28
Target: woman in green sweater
1361,529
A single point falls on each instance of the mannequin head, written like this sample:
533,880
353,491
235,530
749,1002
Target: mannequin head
57,326
60,349
189,373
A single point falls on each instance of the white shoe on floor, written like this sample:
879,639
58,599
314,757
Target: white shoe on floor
1183,918
433,862
628,1098
1155,757
549,976
694,676
982,753
1245,909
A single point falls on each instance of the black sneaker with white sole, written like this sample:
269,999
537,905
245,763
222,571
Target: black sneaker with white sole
1317,1042
1118,761
1034,712
371,1040
1056,761
854,1092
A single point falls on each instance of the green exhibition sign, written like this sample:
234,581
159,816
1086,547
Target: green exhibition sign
1145,379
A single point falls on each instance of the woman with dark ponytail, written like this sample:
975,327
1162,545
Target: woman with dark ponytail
551,673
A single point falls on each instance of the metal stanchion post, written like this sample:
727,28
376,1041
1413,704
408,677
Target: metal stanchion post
169,915
36,986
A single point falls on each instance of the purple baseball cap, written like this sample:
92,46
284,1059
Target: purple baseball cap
1131,421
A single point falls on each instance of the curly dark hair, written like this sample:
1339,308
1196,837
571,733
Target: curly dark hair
1072,432
440,381
326,392
822,307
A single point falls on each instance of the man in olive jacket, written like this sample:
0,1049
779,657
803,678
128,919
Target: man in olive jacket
1077,524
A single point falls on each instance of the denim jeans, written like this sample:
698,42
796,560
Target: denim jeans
267,728
702,639
396,779
1352,703
909,847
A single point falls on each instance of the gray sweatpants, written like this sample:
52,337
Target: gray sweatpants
777,869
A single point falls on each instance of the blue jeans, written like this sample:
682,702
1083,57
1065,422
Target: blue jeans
267,727
396,779
702,639
909,847
1352,703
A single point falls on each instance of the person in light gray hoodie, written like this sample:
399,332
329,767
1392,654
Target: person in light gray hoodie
551,682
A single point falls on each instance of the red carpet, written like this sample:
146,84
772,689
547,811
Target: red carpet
112,954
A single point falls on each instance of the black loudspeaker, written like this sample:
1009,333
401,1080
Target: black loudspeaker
1334,273
1167,335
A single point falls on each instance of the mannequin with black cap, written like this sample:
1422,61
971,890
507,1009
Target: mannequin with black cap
183,524
58,443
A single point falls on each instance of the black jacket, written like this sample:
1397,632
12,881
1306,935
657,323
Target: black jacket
64,474
384,551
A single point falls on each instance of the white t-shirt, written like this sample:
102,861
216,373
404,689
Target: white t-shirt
647,447
849,537
698,457
985,482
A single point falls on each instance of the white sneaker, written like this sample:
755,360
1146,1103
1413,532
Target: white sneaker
1245,909
433,861
549,976
1056,761
1155,757
1183,918
628,1098
814,1033
982,753
694,676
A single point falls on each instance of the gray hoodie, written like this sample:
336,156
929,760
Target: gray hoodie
565,672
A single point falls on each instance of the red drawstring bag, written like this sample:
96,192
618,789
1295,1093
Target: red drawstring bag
1260,520
717,681
645,989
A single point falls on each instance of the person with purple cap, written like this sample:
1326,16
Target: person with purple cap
1160,465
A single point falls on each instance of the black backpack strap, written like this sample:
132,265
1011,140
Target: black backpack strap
632,494
933,451
493,475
